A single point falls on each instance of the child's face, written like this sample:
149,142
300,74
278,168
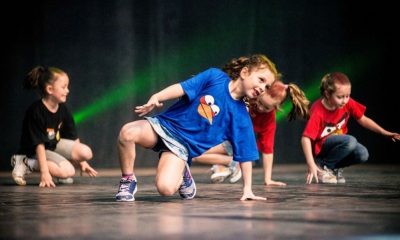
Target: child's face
341,96
256,81
58,90
265,103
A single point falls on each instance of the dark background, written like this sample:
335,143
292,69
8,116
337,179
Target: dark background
117,53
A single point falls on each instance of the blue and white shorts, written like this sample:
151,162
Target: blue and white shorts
228,147
168,139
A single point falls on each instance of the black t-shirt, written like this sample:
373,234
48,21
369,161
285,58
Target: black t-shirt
42,126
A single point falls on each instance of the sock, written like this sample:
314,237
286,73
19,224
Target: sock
128,176
233,164
32,164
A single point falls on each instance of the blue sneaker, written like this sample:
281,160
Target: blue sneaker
187,190
126,191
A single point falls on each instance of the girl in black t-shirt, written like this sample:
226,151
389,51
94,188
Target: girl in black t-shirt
49,141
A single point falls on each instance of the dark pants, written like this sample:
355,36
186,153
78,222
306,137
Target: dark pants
339,151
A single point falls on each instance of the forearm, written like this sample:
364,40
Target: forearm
307,150
41,157
171,92
371,125
247,169
268,159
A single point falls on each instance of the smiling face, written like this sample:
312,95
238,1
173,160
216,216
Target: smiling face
58,89
265,103
256,80
340,96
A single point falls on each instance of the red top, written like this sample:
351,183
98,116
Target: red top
264,126
323,122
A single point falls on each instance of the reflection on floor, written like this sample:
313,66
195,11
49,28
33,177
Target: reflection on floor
366,207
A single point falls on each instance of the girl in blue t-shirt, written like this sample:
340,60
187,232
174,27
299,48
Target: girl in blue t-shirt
209,111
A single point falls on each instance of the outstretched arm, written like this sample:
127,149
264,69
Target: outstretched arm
370,124
248,194
313,169
171,92
46,179
268,159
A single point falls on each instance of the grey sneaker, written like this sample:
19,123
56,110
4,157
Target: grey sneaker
20,169
187,190
236,173
339,175
69,180
328,176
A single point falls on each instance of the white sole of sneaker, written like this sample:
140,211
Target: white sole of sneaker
236,178
20,181
125,200
219,179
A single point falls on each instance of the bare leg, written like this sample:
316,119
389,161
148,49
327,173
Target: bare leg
81,152
169,173
138,132
58,165
80,155
215,155
64,170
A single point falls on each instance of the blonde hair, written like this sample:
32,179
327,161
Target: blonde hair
255,61
300,103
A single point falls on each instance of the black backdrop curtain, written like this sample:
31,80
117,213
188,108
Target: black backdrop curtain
107,47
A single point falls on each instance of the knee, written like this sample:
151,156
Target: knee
351,143
86,153
82,153
363,154
70,173
126,135
165,189
67,171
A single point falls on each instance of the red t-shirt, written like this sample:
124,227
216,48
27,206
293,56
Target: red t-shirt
323,123
264,126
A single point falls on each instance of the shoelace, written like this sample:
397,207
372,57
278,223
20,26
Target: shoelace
124,186
186,180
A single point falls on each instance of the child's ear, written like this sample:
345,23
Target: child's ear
49,89
326,95
244,72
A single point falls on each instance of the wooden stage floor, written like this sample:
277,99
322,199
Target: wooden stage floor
366,207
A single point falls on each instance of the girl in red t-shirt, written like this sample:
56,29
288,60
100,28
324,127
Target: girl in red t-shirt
326,145
262,111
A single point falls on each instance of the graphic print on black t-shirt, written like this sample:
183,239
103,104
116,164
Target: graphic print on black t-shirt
40,126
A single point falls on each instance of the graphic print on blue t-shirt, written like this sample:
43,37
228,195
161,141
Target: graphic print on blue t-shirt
207,109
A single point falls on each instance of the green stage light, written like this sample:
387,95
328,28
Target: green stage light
188,56
112,98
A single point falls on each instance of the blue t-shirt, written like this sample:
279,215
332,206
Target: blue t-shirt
208,115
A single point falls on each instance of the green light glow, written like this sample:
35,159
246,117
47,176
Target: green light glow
189,56
110,99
